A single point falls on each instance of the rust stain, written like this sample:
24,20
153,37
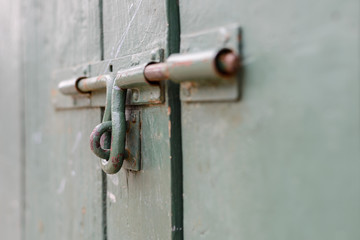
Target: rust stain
53,93
116,160
127,154
83,210
169,129
169,111
41,226
153,102
184,63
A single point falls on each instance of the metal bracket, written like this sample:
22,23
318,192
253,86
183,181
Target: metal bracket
133,140
142,94
225,89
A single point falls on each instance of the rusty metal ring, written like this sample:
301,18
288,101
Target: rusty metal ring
118,132
95,139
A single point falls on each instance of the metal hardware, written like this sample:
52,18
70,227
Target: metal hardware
199,73
209,68
115,121
204,66
140,90
111,160
133,140
131,153
204,76
88,90
83,85
223,89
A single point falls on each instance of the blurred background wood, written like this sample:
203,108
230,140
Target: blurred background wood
11,146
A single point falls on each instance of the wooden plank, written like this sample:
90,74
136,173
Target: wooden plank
282,163
147,204
11,147
63,178
139,204
133,27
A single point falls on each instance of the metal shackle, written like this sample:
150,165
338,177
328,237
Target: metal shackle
113,121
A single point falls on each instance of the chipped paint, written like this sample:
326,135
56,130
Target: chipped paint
111,197
169,126
169,111
114,179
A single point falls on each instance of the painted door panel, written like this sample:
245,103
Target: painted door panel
139,204
11,143
62,176
68,196
282,162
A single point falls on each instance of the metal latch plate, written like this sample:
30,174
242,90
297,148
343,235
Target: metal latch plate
224,90
133,140
141,95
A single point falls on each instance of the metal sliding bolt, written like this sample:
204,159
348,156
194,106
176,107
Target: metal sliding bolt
197,66
202,66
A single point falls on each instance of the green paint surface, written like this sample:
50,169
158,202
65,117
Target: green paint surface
280,163
283,162
11,121
63,183
142,205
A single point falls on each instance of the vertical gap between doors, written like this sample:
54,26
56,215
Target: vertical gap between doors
103,195
174,104
101,23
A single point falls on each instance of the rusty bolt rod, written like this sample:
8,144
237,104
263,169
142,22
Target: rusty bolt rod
156,72
178,68
226,64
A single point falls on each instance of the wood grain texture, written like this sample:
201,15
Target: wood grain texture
282,163
141,205
63,179
133,26
11,147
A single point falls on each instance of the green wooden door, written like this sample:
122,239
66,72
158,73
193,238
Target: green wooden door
282,162
144,205
67,194
63,181
273,156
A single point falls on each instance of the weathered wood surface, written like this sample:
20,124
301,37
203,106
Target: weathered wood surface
63,180
11,147
65,188
283,162
141,205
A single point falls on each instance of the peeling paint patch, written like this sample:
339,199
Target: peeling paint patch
114,179
111,197
174,228
61,187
